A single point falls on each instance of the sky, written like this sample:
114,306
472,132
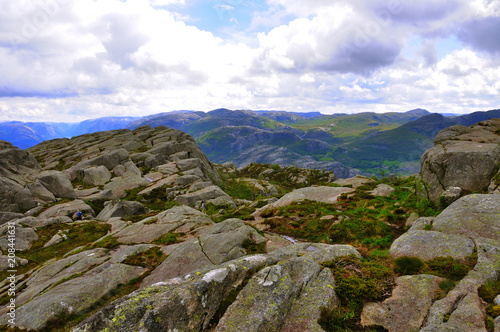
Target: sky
71,60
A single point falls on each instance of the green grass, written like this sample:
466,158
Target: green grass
80,234
357,282
166,239
360,220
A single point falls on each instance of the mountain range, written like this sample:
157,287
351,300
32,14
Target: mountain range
370,142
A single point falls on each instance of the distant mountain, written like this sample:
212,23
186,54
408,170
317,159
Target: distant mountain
399,150
27,134
371,142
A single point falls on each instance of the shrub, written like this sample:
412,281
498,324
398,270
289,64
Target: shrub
406,265
357,281
489,290
447,267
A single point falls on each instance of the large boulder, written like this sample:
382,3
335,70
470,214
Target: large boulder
430,244
206,194
96,176
121,209
462,157
14,197
40,193
119,186
57,183
23,238
276,290
318,194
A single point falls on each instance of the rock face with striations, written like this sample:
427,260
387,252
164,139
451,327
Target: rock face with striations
278,290
15,168
463,157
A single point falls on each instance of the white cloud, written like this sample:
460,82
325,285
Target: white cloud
109,57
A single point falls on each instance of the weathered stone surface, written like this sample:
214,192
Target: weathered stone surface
75,295
265,302
24,239
205,194
16,164
121,209
470,317
382,190
66,209
214,245
429,244
96,176
318,194
407,308
156,160
7,263
24,200
57,183
450,132
468,160
40,193
411,219
109,159
355,182
58,238
265,188
421,224
186,180
199,185
151,228
451,194
472,216
120,185
8,216
189,303
8,190
319,292
195,171
168,169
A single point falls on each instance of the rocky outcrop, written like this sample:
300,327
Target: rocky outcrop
274,290
57,183
318,194
96,176
16,164
213,245
473,216
212,194
407,307
178,218
471,224
92,274
464,157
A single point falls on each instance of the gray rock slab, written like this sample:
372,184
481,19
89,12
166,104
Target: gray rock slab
473,216
407,307
427,245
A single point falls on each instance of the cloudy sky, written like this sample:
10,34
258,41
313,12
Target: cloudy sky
69,60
